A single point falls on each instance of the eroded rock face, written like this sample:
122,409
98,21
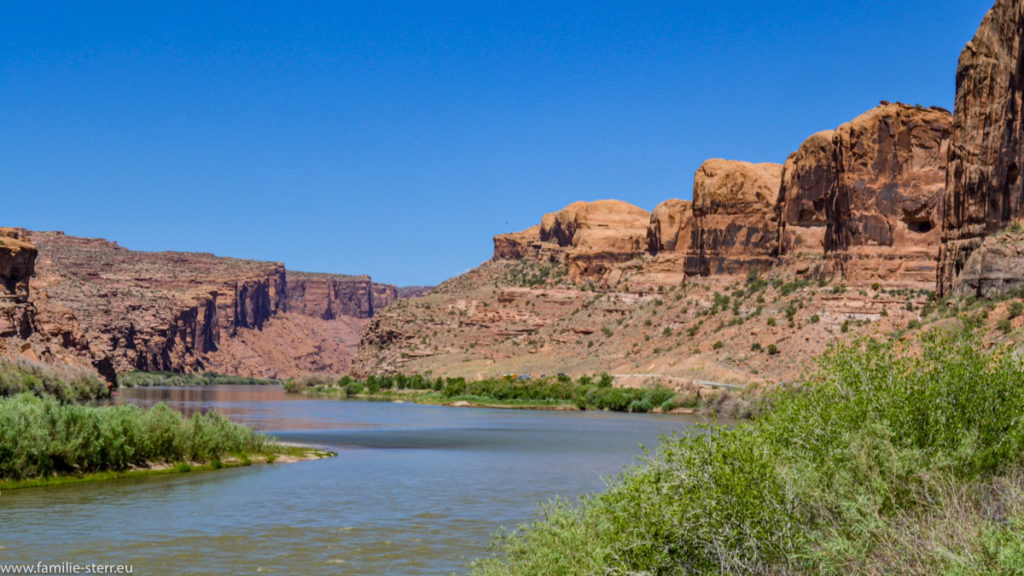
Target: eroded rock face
123,310
17,264
589,238
597,235
331,296
734,220
883,216
670,228
807,180
984,193
867,196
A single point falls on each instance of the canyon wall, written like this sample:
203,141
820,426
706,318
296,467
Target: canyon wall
17,264
734,225
120,310
983,186
863,201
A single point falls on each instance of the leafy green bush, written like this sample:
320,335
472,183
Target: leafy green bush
42,437
140,379
887,460
66,384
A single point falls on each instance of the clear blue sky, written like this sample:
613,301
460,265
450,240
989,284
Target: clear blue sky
396,138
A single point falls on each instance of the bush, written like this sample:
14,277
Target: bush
886,460
65,383
42,437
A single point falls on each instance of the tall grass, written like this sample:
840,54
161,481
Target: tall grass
41,436
66,383
890,459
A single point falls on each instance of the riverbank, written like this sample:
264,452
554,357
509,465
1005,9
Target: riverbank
550,393
44,441
290,454
730,404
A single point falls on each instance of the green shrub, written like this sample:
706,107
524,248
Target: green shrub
886,460
41,437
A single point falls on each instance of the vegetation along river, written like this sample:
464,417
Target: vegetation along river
415,489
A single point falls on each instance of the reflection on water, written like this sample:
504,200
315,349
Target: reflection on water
414,490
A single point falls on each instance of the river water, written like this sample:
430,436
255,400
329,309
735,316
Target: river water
414,489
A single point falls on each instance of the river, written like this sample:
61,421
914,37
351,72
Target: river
415,489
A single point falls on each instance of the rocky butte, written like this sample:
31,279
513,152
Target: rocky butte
864,200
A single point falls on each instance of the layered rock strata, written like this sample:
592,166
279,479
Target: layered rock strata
123,310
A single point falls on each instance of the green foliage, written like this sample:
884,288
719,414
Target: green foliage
66,385
718,345
42,437
773,349
586,393
884,461
140,379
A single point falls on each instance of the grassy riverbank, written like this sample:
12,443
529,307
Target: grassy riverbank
561,392
45,441
65,383
140,379
890,459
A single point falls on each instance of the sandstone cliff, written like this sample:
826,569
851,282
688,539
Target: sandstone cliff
331,296
867,196
734,221
808,177
17,264
670,227
983,189
588,238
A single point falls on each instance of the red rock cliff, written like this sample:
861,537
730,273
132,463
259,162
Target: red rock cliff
867,195
17,264
983,187
734,221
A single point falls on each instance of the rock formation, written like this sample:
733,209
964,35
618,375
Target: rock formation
597,235
670,228
883,210
331,296
119,310
983,189
807,180
17,264
734,221
589,238
867,195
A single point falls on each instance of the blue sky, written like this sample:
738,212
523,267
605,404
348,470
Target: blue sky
396,138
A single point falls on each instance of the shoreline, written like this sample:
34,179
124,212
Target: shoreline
426,398
290,454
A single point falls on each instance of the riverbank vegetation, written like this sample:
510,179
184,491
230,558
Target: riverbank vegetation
585,393
892,458
42,437
66,383
140,379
